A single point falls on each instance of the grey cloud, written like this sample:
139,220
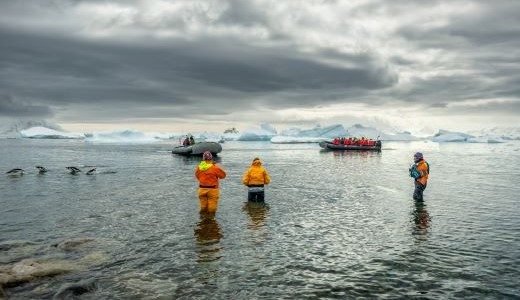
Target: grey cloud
187,75
11,108
141,76
439,105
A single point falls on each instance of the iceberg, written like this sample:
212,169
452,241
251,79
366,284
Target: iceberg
490,139
358,130
400,136
40,132
282,139
264,133
504,133
126,136
208,137
445,136
318,131
313,135
12,129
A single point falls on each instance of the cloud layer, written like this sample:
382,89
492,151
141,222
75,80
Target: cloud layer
108,61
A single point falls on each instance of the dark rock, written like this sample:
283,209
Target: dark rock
71,290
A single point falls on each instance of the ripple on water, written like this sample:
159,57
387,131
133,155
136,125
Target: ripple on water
337,225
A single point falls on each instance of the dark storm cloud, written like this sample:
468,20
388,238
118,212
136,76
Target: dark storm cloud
11,108
121,59
187,75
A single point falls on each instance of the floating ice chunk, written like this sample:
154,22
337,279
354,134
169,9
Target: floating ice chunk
444,136
264,133
40,132
126,136
491,139
359,130
318,131
281,139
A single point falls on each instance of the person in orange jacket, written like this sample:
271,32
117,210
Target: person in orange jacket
255,178
208,174
420,171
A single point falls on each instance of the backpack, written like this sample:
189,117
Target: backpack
414,173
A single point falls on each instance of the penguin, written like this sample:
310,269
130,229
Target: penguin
15,172
91,171
73,170
41,170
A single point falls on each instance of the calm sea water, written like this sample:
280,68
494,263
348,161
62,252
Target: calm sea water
337,224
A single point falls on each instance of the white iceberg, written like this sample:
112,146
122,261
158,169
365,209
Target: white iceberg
264,133
40,132
400,136
490,139
313,135
445,136
504,133
12,129
208,137
282,139
318,131
359,130
126,136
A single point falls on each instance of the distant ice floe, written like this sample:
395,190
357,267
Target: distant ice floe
317,134
504,133
359,130
40,132
445,136
265,133
13,128
282,139
490,139
208,137
126,136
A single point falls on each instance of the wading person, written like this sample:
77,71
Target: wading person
208,174
419,171
255,179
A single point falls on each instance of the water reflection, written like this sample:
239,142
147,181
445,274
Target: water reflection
352,153
257,212
421,219
208,234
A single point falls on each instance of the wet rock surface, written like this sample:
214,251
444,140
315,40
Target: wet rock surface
25,262
72,290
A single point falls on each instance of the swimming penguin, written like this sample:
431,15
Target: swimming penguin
91,171
41,169
15,172
73,170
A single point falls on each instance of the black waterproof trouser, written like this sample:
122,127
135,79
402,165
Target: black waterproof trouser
418,192
255,196
256,193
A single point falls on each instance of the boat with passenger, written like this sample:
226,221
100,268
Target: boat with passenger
352,143
190,147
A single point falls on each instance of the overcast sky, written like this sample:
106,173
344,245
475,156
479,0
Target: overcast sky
170,65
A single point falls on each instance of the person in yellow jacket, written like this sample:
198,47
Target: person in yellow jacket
256,178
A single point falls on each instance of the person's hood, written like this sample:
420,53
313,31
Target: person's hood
204,165
256,163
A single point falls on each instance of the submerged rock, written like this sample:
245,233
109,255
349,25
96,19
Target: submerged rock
72,244
29,269
70,290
